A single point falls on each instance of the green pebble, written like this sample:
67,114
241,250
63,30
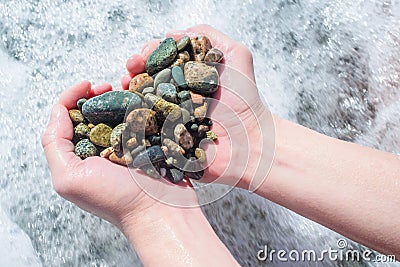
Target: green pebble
100,135
85,149
116,136
162,57
81,131
76,116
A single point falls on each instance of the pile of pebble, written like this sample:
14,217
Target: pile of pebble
158,124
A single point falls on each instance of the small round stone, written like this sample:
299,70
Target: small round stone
181,59
81,131
142,120
182,43
116,136
179,78
168,92
153,154
121,159
200,154
163,76
185,115
202,130
140,81
200,112
182,136
85,149
214,55
148,90
200,46
211,136
106,152
201,78
100,135
172,146
194,127
76,116
162,56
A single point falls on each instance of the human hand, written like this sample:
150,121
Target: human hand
241,120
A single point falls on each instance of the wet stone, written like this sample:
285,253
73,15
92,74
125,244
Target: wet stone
200,112
168,92
211,136
142,120
185,115
197,98
214,55
202,130
194,127
85,149
193,169
116,137
162,56
100,135
182,136
76,116
163,76
200,45
182,43
121,159
140,81
175,175
166,110
131,142
81,131
154,140
200,155
110,108
151,155
181,59
185,100
137,150
173,147
80,103
106,152
148,90
179,78
201,78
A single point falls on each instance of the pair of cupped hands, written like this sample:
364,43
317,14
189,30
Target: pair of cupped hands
119,194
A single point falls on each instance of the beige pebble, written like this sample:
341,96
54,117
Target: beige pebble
106,152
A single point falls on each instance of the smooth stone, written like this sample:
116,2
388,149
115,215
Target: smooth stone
194,127
182,43
179,78
80,103
185,101
116,137
81,131
153,154
201,78
76,116
173,146
151,99
166,110
140,81
148,90
110,107
185,115
142,120
100,135
106,152
200,45
181,59
200,112
168,92
193,169
162,56
182,136
151,171
175,175
131,142
163,76
214,55
85,149
200,154
124,159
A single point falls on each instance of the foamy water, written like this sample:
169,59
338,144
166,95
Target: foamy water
333,66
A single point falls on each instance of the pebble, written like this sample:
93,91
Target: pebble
85,149
140,81
131,143
151,99
162,56
148,90
211,136
80,103
151,171
179,78
200,154
185,115
166,110
122,159
181,59
163,76
91,125
116,137
200,112
194,127
173,147
106,152
168,92
174,175
137,150
202,130
185,100
193,169
200,46
154,140
182,43
81,131
100,135
182,136
152,154
197,98
76,116
214,55
142,120
201,78
110,107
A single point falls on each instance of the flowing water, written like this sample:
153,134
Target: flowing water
333,66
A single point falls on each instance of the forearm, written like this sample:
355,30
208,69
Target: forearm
176,237
349,188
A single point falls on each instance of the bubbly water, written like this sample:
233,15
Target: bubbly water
333,66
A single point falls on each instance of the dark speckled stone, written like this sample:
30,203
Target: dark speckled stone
174,175
110,107
162,57
153,154
85,149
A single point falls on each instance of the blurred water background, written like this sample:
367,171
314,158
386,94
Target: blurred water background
333,66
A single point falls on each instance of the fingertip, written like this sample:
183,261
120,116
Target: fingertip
125,81
100,89
69,97
135,65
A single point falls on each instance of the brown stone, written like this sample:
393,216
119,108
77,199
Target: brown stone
142,120
200,46
182,136
200,112
214,55
181,58
122,160
139,82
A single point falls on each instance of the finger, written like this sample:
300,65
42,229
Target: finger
56,142
149,48
135,65
100,89
69,97
125,81
178,34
